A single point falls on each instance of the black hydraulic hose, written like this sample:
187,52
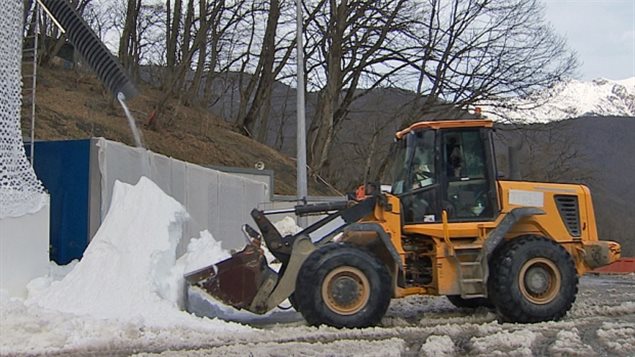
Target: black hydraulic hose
91,48
320,207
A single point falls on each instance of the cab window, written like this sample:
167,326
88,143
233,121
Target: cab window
420,196
467,185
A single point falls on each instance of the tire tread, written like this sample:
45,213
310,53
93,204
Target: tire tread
313,311
502,279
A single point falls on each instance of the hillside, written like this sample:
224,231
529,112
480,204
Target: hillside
72,105
572,99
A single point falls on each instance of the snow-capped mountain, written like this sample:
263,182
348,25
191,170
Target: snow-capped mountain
572,99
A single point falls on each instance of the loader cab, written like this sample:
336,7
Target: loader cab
445,165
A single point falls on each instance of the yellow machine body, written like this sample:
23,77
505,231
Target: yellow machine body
571,224
449,226
445,238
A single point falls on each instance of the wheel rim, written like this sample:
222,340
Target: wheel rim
345,290
539,280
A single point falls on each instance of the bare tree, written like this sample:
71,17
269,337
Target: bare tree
177,78
483,50
224,47
257,93
128,40
172,27
464,52
194,90
347,41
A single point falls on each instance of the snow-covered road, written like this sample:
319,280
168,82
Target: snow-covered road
601,323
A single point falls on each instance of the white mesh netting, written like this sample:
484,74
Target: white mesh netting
20,190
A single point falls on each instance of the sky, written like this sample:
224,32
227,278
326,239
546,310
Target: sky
602,32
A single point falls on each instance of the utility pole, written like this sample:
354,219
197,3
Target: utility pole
301,133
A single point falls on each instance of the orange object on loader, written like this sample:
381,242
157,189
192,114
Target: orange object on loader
622,266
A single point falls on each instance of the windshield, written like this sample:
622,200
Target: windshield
412,162
399,169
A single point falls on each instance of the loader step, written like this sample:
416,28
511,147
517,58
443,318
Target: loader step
468,264
473,296
470,269
471,246
472,281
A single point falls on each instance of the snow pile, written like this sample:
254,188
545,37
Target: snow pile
569,343
129,271
201,304
517,343
201,252
287,226
438,346
127,285
618,337
572,99
128,288
595,308
55,273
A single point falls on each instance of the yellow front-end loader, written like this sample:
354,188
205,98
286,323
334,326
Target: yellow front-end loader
448,227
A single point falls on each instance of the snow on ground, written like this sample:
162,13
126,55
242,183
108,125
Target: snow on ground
569,343
618,337
386,348
504,343
438,346
129,280
129,270
125,297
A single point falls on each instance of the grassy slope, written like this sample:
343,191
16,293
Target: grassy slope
72,105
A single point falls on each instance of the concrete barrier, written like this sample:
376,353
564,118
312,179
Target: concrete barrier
24,250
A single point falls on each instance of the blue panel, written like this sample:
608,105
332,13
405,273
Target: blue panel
63,167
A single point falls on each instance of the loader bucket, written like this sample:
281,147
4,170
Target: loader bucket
238,280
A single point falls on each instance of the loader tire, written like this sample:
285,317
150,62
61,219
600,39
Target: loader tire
292,301
458,301
532,279
343,286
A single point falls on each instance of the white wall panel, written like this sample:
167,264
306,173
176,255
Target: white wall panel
216,201
24,250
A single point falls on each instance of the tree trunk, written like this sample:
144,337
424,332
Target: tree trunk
187,28
172,35
177,76
255,121
195,88
128,35
323,126
211,66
